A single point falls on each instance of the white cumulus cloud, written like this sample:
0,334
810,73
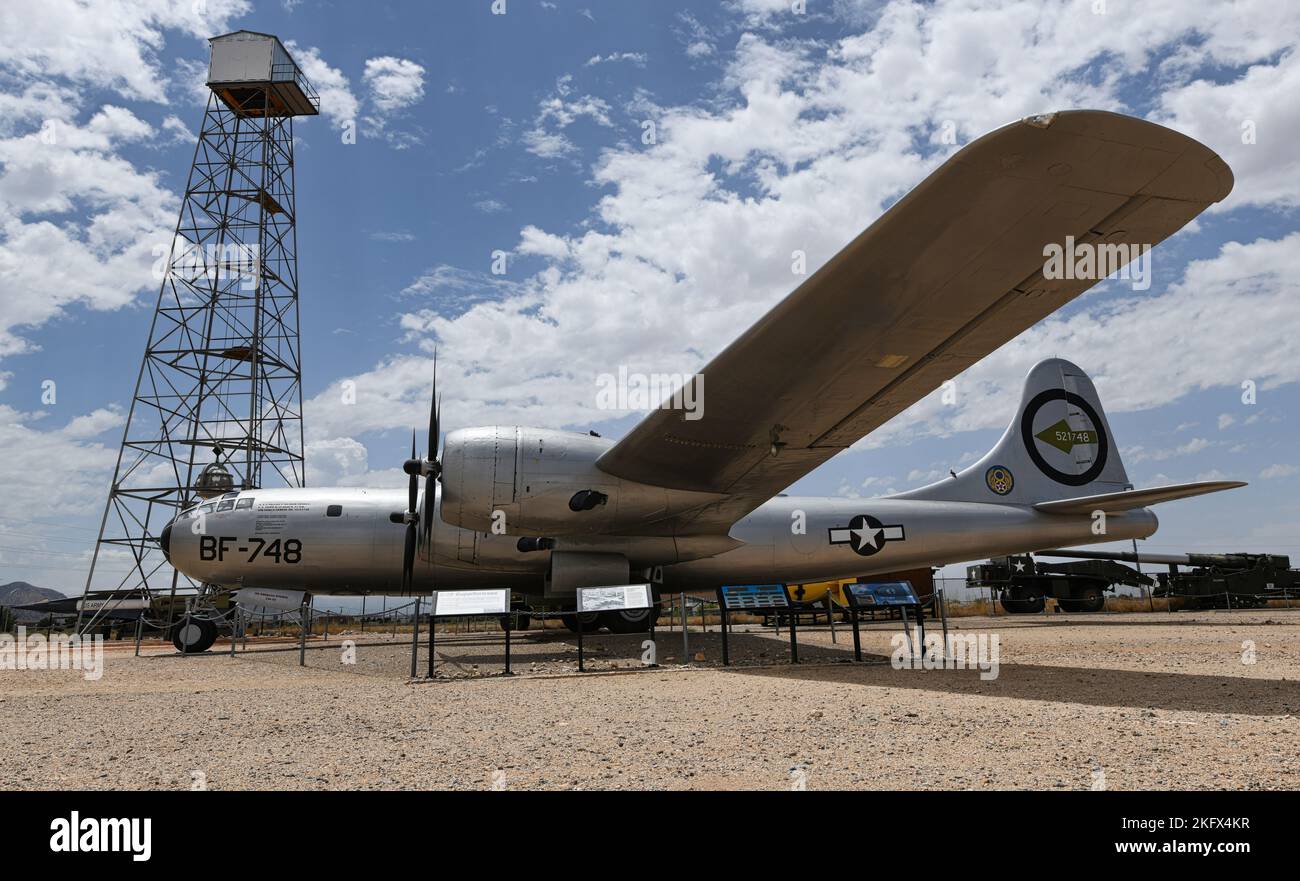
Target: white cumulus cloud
393,83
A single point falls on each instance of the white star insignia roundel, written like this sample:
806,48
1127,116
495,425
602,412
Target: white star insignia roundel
866,535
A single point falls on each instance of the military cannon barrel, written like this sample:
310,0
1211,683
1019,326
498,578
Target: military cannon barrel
1128,556
1240,561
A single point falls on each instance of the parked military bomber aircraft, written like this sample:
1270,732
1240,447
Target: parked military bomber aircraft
948,274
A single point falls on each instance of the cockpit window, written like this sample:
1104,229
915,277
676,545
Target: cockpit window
208,508
334,511
245,502
226,505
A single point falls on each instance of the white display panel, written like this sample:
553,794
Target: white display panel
270,598
614,598
471,602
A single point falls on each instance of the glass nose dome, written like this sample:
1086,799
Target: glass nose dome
214,480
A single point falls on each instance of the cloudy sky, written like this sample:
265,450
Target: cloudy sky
648,169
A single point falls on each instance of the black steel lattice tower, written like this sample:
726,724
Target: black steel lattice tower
218,400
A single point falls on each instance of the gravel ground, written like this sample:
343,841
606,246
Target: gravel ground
1139,701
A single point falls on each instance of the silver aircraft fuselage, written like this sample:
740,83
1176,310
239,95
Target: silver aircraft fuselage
340,541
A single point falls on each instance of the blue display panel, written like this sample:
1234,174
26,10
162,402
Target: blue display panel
754,596
882,593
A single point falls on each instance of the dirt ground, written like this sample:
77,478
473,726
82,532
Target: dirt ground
1121,701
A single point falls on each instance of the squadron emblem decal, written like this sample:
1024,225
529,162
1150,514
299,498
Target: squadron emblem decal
1061,438
865,534
999,479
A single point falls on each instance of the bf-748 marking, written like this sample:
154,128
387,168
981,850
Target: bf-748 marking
213,549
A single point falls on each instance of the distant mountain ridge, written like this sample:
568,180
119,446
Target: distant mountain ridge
18,593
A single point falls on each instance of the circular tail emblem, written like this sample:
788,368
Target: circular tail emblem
1061,439
999,479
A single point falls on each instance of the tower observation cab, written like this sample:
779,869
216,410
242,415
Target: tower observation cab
255,76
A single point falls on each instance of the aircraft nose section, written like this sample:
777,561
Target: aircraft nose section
165,540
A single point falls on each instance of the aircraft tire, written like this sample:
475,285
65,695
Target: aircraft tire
193,635
518,619
637,621
508,622
590,622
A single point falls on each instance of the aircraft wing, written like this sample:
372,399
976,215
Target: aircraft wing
945,276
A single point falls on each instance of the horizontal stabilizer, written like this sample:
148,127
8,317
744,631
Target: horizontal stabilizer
1135,498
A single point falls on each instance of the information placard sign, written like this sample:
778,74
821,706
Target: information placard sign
737,597
883,596
450,603
614,598
772,598
882,593
270,598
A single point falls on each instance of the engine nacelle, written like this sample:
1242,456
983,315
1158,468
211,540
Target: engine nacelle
545,482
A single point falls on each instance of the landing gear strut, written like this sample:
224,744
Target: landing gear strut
196,630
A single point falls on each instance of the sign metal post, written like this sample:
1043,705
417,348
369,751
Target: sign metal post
770,598
943,617
874,595
415,637
686,637
303,615
509,626
613,598
467,604
581,628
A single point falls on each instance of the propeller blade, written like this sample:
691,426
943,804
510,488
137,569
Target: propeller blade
408,558
435,471
413,484
434,406
426,519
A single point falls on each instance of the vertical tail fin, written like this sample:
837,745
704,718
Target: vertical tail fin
1058,446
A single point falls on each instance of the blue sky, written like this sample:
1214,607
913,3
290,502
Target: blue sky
523,133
